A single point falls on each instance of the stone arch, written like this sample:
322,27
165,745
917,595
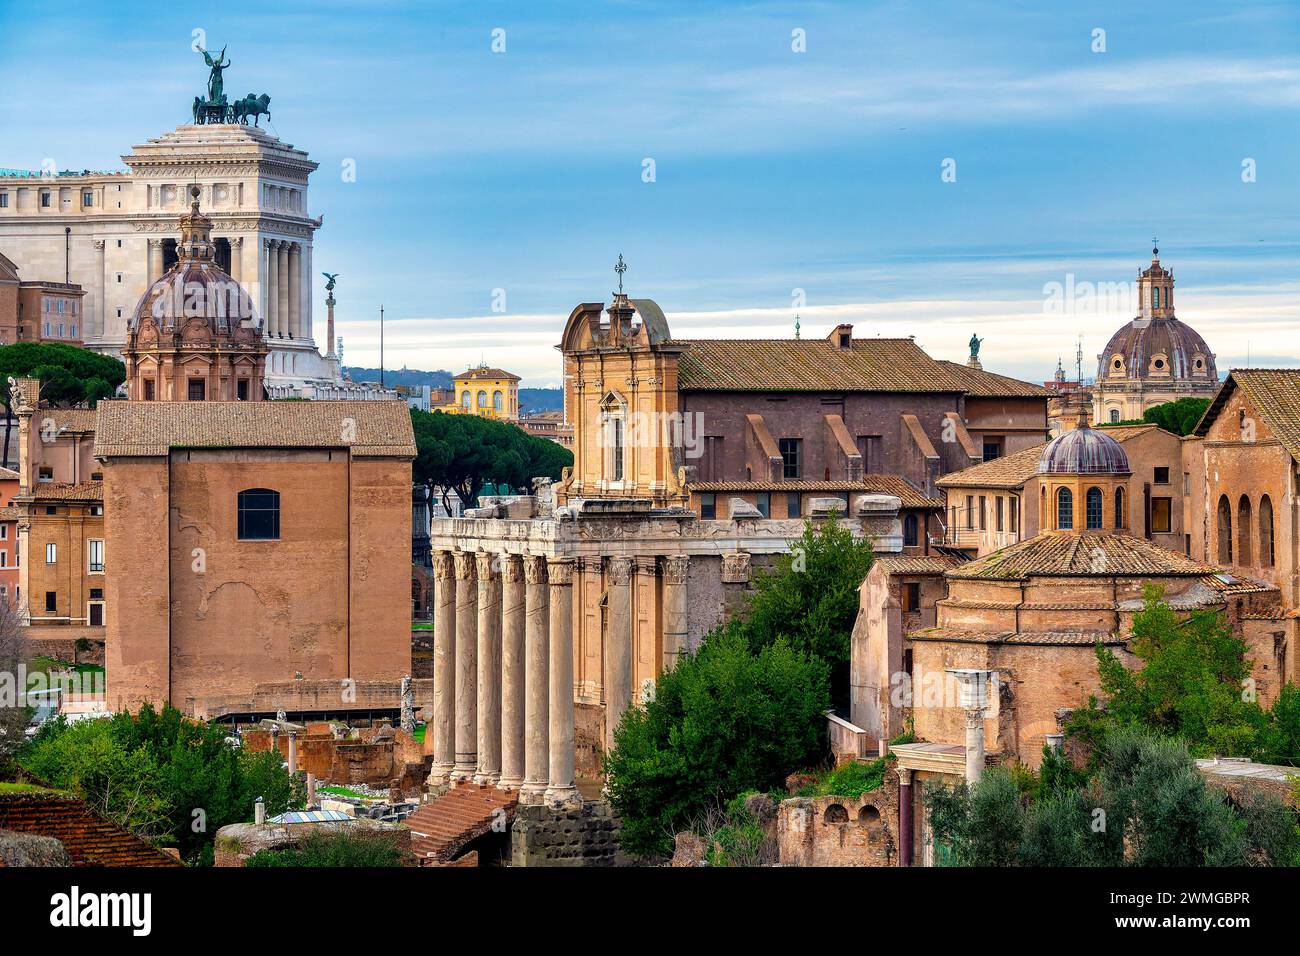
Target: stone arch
1245,529
1266,555
869,815
835,813
1225,530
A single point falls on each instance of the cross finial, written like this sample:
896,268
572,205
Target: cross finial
1155,248
620,267
796,325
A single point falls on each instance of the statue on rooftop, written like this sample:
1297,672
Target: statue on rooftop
975,343
216,92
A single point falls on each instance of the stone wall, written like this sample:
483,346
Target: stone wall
541,836
236,842
841,831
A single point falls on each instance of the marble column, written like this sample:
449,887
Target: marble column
904,817
283,281
617,677
295,291
293,752
155,260
489,669
512,673
536,686
101,307
561,790
237,258
444,670
466,668
676,567
272,287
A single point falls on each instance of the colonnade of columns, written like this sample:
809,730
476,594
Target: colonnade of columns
283,309
503,702
503,674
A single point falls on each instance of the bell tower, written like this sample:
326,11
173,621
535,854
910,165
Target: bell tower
1155,289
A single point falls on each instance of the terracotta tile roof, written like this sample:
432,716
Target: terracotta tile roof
879,484
64,491
1009,471
66,419
488,373
378,429
89,839
8,474
981,384
1083,554
1123,433
1275,393
10,513
958,635
810,365
917,564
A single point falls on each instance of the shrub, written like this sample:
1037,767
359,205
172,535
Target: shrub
340,848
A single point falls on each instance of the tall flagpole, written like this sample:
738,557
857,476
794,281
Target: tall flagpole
381,346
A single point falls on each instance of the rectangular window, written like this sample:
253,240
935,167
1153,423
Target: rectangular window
794,505
992,447
1187,483
148,390
790,456
1162,476
45,473
1161,515
51,554
45,200
1013,505
763,501
4,532
4,559
87,198
241,390
259,515
95,614
970,512
708,506
911,596
984,520
51,602
4,200
997,511
95,555
197,389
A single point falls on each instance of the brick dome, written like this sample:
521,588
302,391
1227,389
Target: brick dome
1084,451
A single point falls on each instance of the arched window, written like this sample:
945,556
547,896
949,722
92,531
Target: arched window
1245,528
1064,509
1042,508
1266,555
1225,530
1114,415
259,515
1121,518
496,402
613,436
1094,507
482,399
465,399
910,535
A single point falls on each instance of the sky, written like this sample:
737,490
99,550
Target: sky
928,169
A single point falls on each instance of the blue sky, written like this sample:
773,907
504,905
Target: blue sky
775,170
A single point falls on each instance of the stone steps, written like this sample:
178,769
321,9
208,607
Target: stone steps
441,828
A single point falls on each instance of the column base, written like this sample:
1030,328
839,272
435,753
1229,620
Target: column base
439,778
563,798
486,779
462,774
532,794
510,783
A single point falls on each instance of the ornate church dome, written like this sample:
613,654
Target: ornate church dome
195,334
1155,344
1083,451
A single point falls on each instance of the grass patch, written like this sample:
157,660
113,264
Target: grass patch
42,662
419,732
848,780
421,626
24,788
343,792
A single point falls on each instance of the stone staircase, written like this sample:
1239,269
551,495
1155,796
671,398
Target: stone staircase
443,827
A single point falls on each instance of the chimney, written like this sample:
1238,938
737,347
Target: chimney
842,337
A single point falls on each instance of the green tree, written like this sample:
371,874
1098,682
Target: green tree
70,376
1179,417
463,453
810,599
725,720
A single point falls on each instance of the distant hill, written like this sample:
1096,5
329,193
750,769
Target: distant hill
530,399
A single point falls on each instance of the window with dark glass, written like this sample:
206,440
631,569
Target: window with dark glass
794,505
259,515
1013,504
1121,517
708,505
1094,507
1064,509
197,389
763,502
911,533
790,455
1162,476
241,389
148,390
992,448
911,596
51,601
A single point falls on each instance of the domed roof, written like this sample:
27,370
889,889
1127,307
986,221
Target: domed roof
1083,451
196,297
1142,342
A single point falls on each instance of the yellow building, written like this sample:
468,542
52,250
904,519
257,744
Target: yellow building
490,392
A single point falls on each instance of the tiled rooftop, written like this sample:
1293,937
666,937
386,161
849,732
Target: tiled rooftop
1009,471
89,839
1275,393
879,484
380,429
1083,554
917,564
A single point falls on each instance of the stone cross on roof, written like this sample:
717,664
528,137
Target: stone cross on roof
620,267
